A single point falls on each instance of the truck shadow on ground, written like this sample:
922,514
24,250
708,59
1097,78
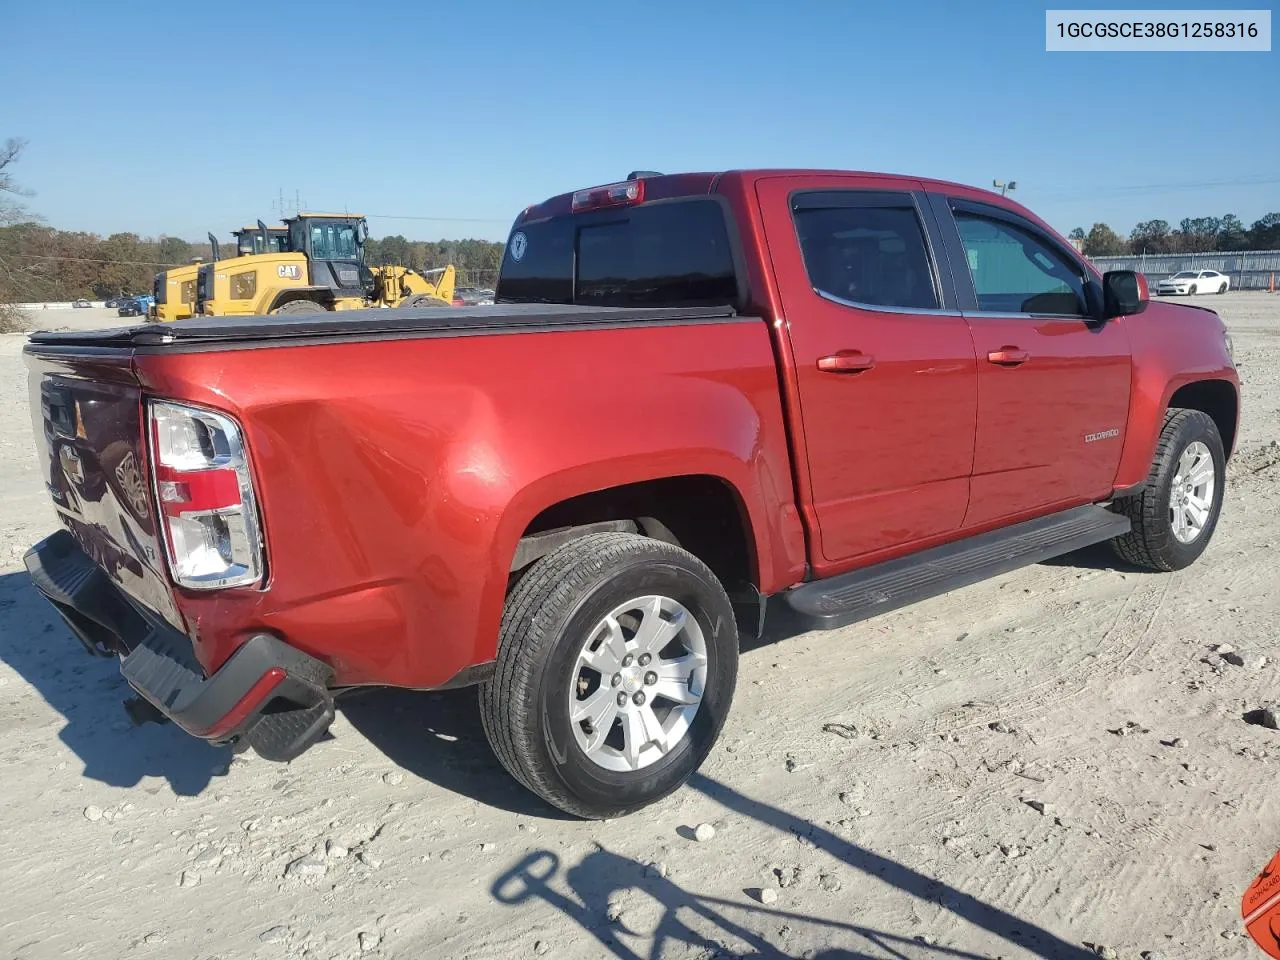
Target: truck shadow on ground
671,917
87,691
605,894
438,736
1100,556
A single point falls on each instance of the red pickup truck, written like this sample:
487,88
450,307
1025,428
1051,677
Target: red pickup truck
698,397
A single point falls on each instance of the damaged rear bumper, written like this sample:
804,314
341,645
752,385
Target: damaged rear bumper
268,694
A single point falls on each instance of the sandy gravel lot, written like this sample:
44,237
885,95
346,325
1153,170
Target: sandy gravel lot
1119,801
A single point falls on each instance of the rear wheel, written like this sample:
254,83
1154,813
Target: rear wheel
423,300
1177,511
1222,288
301,306
616,666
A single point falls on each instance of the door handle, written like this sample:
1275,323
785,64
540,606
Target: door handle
846,361
1008,356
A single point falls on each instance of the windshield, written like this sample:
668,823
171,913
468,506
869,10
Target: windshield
663,254
1185,275
251,243
334,241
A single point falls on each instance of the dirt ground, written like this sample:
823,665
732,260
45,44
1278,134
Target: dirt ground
1119,806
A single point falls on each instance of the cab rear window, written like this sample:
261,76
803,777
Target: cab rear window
671,253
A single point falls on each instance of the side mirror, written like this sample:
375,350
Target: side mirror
1124,292
362,230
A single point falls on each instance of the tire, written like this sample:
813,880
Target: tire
416,300
556,608
301,306
1192,291
1222,289
1152,542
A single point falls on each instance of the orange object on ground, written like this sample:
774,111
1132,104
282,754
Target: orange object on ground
1260,908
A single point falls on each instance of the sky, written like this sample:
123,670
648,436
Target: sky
445,120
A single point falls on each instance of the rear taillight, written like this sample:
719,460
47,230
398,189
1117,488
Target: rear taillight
610,195
205,494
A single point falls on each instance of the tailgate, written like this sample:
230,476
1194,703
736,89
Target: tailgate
87,414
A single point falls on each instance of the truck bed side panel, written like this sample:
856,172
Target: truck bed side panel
396,476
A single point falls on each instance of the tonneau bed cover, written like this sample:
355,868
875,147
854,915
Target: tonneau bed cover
356,324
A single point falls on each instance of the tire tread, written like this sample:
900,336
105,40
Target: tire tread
535,605
1147,544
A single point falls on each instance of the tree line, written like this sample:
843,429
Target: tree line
41,263
38,262
1192,235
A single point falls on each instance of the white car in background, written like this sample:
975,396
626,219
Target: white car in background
1194,281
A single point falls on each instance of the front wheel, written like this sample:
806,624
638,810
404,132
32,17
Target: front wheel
616,665
418,300
1174,516
1192,291
300,306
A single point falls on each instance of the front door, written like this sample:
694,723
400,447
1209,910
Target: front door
884,362
1053,381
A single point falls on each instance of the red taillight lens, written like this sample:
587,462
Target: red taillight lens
205,495
609,195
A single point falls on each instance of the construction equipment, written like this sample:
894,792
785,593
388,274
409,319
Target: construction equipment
322,269
260,239
174,290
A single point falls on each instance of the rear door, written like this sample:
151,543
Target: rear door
1053,382
883,360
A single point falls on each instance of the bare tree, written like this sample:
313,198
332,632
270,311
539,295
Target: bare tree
12,212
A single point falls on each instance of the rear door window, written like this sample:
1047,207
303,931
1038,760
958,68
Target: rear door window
671,253
865,248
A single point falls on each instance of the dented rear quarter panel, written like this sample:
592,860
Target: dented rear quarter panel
395,477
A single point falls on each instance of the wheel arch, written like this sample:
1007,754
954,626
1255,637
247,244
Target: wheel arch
1216,396
703,513
1218,399
709,511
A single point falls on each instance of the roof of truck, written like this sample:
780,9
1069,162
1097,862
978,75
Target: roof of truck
665,186
661,186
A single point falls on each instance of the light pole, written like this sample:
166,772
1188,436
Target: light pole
1004,187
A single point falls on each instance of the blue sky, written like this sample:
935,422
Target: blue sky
189,117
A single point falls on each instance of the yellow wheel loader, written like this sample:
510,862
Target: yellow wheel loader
175,289
261,239
322,269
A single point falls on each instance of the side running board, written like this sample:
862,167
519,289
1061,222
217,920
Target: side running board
861,594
